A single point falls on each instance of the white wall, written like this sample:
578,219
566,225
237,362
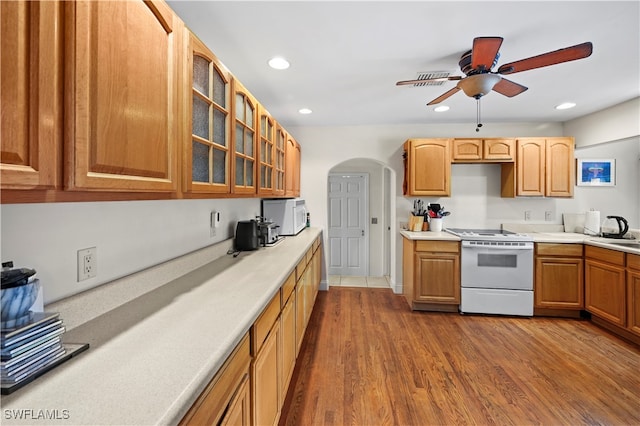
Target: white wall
130,236
616,123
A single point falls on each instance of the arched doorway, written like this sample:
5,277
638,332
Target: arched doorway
378,227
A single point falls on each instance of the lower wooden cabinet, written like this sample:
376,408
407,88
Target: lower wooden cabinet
224,399
606,284
289,344
431,274
301,301
633,293
266,372
251,386
559,278
239,412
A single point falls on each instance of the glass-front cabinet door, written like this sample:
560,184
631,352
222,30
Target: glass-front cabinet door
266,147
206,162
244,138
279,168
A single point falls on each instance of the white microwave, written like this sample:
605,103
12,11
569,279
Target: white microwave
289,214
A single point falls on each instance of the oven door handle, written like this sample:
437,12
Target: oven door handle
507,247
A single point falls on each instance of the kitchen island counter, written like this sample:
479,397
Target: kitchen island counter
151,357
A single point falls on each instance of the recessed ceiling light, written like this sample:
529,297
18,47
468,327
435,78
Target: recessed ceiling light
278,63
441,108
565,105
305,111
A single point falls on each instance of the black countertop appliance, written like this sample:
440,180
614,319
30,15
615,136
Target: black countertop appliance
620,227
247,235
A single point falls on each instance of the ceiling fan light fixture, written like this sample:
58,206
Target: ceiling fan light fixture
565,105
478,85
441,108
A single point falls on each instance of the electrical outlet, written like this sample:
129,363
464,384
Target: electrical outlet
87,263
548,215
527,215
214,222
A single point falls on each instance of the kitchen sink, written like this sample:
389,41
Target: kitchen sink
631,244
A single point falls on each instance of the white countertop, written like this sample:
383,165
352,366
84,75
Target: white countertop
540,237
150,358
429,235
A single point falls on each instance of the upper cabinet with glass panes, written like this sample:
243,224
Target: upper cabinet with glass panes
280,163
266,152
244,137
207,154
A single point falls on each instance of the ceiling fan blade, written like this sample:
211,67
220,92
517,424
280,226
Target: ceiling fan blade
509,88
428,80
484,52
567,54
444,96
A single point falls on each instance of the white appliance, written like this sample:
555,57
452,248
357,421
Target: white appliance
496,272
289,214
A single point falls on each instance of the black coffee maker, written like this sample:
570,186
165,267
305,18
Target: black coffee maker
621,224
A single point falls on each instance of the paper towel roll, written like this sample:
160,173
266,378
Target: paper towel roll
592,223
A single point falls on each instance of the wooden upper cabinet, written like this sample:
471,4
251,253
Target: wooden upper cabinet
121,95
208,106
266,152
545,167
428,167
280,161
467,150
292,167
483,150
31,76
499,149
244,140
530,167
560,167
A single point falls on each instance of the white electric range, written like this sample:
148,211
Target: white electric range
496,272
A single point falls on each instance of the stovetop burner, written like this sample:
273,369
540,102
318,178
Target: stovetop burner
488,234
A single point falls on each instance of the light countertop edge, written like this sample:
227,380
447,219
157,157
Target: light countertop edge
538,237
152,357
429,235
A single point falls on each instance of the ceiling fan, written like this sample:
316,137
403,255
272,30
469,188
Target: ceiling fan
477,63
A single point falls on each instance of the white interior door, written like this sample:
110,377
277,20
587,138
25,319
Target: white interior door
348,224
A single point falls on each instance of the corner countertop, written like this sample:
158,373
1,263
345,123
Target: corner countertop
544,237
151,357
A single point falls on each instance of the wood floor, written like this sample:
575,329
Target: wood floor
368,360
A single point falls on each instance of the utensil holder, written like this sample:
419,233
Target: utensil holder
436,224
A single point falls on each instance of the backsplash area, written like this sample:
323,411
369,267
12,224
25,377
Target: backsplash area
129,236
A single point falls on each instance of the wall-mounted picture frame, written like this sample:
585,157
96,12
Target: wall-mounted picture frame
596,172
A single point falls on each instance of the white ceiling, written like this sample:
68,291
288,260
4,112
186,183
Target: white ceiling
347,56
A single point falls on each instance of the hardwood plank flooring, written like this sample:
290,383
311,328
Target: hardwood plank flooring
368,360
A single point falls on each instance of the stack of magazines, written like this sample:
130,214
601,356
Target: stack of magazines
30,346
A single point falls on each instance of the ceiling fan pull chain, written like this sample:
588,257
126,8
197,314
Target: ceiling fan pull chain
479,124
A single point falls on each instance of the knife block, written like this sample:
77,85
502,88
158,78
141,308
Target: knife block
415,223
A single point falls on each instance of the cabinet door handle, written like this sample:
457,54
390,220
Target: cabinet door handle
363,232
